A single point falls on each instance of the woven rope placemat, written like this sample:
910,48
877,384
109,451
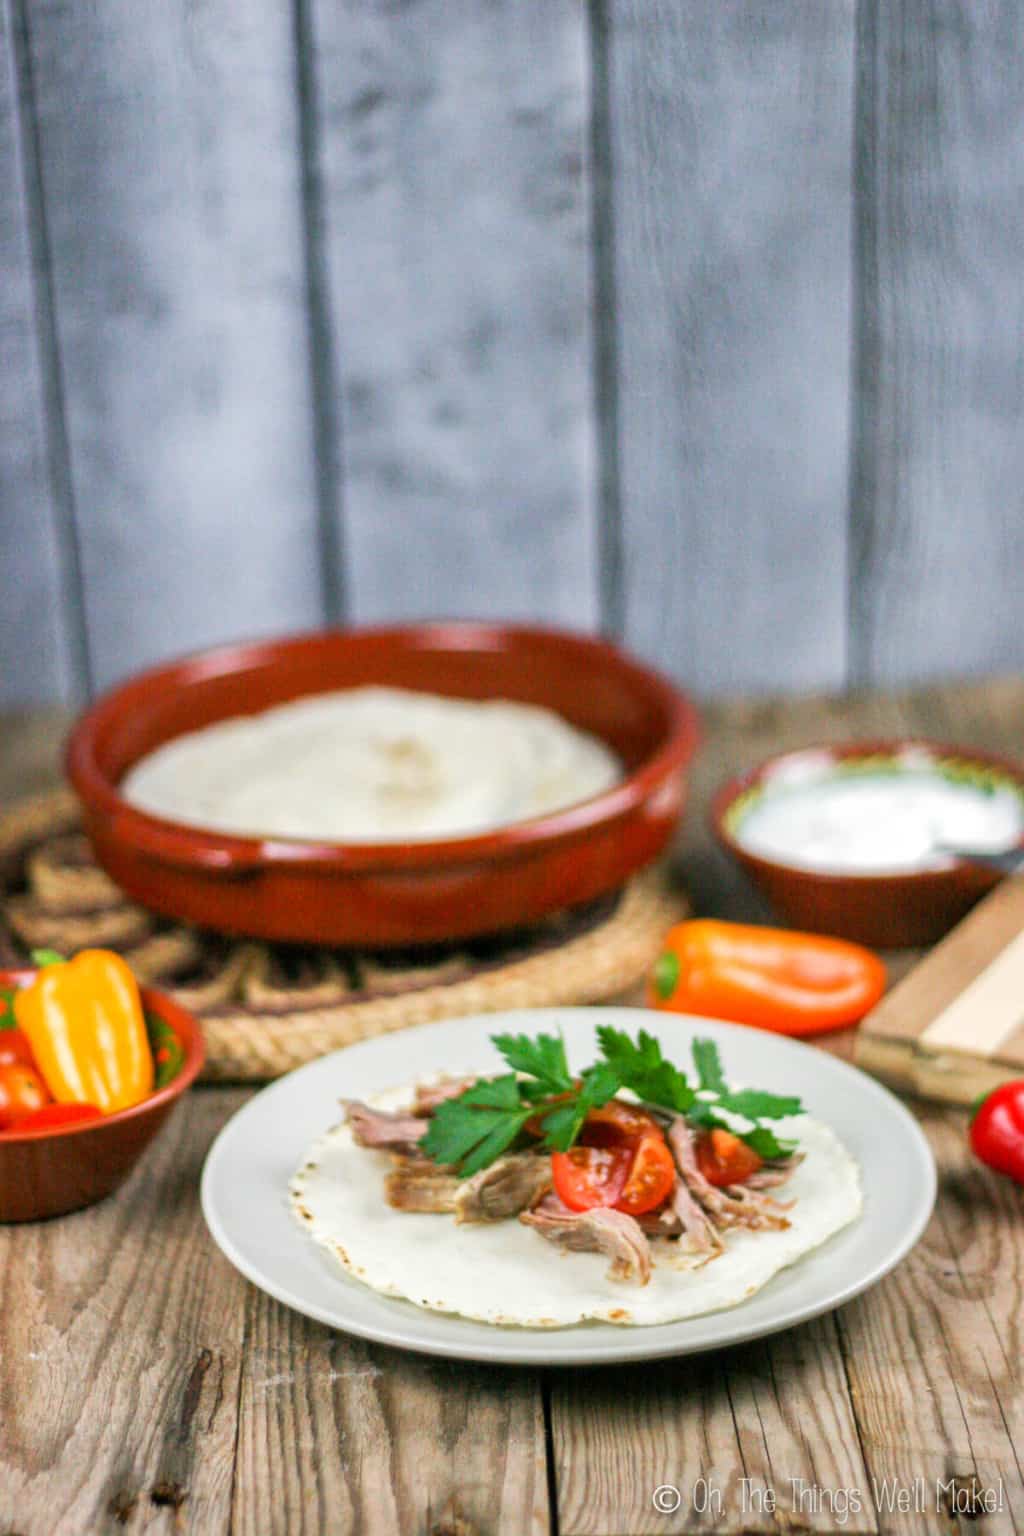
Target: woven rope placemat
267,1008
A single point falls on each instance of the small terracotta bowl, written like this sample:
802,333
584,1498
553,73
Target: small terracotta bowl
886,910
50,1172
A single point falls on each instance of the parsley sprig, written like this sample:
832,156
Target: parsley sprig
472,1131
642,1068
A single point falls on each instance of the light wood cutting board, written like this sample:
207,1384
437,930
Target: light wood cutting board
953,1028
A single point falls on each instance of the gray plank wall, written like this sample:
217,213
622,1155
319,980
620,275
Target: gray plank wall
697,321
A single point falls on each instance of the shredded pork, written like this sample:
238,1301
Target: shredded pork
383,1128
775,1173
736,1206
601,1230
508,1186
430,1095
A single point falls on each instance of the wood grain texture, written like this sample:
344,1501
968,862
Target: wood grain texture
121,1333
171,185
36,645
355,1438
730,140
938,508
453,168
722,1429
934,1353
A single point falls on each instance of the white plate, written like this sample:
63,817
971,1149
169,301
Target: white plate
245,1187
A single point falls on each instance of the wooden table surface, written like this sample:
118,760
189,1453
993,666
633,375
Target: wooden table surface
145,1386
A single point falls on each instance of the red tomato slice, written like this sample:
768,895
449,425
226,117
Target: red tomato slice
589,1176
15,1049
22,1091
633,1177
53,1117
650,1178
616,1123
724,1159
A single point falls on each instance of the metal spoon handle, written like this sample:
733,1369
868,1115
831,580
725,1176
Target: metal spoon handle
1008,860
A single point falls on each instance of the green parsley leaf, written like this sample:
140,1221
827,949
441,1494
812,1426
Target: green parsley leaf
471,1131
543,1058
564,1123
7,1019
642,1068
756,1105
766,1144
707,1113
708,1063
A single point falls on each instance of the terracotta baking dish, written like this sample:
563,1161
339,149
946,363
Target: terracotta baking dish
899,910
390,894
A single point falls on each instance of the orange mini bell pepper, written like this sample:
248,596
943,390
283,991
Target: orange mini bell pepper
83,1019
792,983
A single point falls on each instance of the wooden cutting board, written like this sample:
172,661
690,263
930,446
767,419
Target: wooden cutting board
953,1028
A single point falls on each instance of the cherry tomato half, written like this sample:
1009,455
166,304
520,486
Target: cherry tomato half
651,1177
724,1159
57,1116
15,1049
633,1175
615,1124
587,1176
22,1091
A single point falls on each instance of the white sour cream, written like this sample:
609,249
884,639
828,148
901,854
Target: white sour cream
885,823
373,765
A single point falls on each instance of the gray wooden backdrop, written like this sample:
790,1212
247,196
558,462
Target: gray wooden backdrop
699,321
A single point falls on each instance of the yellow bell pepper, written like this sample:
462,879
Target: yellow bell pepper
84,1021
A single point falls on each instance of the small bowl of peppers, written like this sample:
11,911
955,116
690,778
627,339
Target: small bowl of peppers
91,1065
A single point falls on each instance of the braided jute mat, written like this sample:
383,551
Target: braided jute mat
267,1008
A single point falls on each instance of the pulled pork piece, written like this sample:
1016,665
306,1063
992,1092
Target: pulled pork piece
600,1230
700,1230
430,1095
774,1173
504,1189
382,1128
660,1223
495,1193
736,1206
416,1184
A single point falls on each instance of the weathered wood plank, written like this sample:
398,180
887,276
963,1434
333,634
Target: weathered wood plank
730,132
172,191
121,1339
453,154
36,646
353,1438
724,1430
938,531
934,1354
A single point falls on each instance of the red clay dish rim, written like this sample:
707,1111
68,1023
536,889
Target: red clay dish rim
158,1003
223,853
890,746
